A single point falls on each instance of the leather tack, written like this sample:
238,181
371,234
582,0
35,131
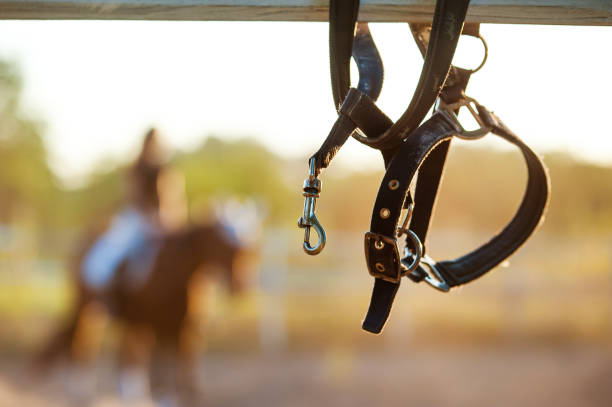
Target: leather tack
384,262
417,154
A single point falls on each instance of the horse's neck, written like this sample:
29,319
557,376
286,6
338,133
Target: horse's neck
212,247
175,263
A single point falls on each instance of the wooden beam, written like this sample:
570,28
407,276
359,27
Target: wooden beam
572,12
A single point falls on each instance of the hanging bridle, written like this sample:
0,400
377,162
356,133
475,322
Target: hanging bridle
410,148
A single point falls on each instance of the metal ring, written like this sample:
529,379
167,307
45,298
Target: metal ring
394,184
416,256
486,54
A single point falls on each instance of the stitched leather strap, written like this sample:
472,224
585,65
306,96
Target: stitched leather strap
346,37
385,216
430,173
369,62
445,32
440,43
342,20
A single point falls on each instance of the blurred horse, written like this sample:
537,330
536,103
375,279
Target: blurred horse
154,313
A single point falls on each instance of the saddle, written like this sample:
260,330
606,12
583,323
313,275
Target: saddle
414,153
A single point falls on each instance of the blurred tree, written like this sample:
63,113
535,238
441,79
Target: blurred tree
241,168
27,185
480,191
582,196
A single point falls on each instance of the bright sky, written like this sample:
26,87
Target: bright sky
98,84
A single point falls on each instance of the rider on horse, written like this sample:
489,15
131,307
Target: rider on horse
155,205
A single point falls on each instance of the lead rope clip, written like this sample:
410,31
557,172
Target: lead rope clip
312,188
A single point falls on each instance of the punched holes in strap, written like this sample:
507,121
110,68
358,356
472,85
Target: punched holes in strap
391,196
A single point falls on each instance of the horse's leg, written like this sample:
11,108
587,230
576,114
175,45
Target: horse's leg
165,369
188,346
87,339
134,358
164,372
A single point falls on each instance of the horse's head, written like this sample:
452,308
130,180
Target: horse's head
235,262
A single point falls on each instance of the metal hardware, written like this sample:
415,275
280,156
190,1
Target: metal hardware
450,108
385,213
394,184
402,229
416,257
374,242
433,276
312,188
485,53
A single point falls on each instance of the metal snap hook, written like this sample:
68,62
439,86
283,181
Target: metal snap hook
312,188
312,222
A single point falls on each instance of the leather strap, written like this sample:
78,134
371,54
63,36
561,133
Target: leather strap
346,37
369,63
382,256
430,173
356,112
342,20
445,32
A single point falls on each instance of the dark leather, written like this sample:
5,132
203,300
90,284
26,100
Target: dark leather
369,62
383,296
375,129
342,20
414,153
407,148
347,38
526,219
357,113
445,32
382,253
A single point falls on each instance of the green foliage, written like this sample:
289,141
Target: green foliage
480,191
242,168
582,196
27,185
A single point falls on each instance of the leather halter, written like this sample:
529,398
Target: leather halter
408,149
382,255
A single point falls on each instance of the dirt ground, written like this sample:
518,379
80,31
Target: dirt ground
500,377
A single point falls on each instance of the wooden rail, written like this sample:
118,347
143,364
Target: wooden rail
573,12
